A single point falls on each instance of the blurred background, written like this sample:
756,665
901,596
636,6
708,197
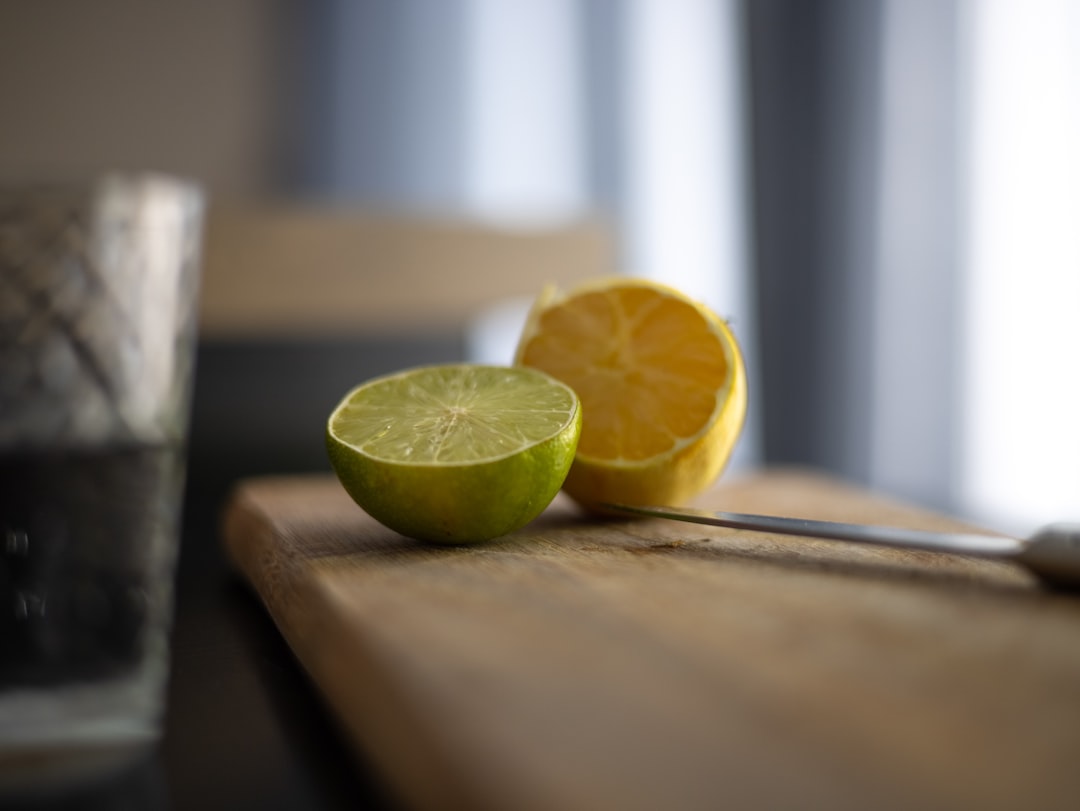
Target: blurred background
881,195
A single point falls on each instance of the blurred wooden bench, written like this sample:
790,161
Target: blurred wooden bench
308,271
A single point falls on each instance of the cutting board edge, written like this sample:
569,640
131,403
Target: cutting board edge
414,766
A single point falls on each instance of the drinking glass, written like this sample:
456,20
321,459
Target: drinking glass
98,289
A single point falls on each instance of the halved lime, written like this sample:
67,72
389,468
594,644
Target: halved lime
455,453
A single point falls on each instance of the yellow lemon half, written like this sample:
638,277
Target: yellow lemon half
662,384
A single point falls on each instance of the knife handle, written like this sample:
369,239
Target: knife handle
1053,553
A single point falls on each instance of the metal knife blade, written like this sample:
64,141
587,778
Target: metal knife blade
961,543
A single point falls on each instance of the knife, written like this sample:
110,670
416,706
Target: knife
1052,553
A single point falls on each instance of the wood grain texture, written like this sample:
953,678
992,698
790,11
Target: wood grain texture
586,664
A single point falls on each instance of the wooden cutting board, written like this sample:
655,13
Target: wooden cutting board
586,664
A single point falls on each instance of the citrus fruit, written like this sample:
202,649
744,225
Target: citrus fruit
455,453
662,385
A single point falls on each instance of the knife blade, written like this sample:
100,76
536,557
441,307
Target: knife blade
1052,553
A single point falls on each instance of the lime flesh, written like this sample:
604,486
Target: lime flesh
458,453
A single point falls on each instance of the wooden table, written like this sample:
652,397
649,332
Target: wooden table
585,664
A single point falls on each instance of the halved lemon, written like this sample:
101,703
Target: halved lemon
662,384
455,453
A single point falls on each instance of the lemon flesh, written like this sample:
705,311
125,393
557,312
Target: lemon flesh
455,453
662,384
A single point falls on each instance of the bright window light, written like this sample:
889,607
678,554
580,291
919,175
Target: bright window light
685,193
524,131
1021,441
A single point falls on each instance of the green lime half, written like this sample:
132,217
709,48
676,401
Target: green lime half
455,454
